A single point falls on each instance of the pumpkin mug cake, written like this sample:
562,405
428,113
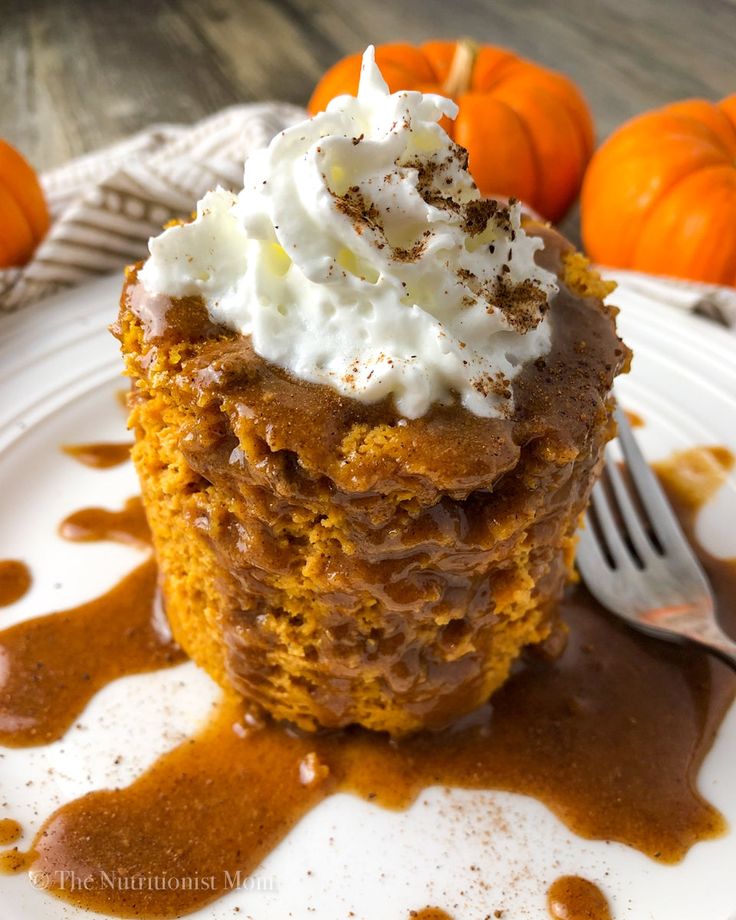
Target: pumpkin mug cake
369,408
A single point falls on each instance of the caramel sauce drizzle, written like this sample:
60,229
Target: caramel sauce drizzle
634,419
15,581
573,898
100,456
16,860
610,735
128,525
54,664
10,831
429,913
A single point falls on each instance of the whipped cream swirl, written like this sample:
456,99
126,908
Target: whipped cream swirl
360,255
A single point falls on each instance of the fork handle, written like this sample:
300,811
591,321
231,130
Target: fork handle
713,638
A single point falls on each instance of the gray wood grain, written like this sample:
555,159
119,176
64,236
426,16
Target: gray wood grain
76,74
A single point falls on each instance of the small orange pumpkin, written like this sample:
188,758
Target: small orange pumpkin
660,193
24,217
528,130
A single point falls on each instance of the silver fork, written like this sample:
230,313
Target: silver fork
647,574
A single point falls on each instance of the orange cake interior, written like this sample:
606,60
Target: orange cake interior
336,563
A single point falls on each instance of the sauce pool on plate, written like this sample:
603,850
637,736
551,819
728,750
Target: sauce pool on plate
128,525
99,456
10,831
54,664
573,898
429,913
15,580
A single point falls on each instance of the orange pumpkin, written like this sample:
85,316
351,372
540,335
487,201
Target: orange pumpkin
24,217
660,194
528,130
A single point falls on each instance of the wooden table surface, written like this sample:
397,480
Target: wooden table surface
77,74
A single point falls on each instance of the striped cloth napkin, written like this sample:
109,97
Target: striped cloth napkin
107,204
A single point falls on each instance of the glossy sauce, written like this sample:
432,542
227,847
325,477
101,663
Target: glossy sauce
575,898
100,456
92,524
10,831
634,419
609,735
52,665
429,913
15,580
15,860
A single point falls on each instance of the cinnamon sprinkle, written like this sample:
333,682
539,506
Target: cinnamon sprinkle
523,304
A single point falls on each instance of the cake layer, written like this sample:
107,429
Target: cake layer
337,563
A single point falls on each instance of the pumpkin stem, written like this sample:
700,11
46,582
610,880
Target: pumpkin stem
461,68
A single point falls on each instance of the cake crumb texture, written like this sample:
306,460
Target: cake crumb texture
337,564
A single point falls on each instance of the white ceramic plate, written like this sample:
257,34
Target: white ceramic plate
59,372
